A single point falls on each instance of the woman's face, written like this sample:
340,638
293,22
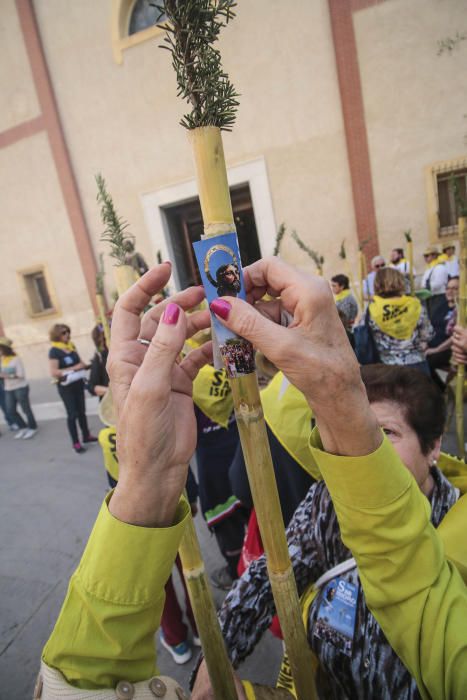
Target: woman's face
390,416
452,290
336,288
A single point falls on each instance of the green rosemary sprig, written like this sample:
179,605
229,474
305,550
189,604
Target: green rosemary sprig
316,257
192,27
343,252
115,226
281,231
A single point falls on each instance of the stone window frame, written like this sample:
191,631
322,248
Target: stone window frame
431,181
23,274
120,23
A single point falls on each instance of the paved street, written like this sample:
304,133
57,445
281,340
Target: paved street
48,502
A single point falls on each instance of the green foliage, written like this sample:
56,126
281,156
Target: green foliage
363,244
100,275
281,231
343,252
192,27
461,203
115,226
316,257
408,235
448,44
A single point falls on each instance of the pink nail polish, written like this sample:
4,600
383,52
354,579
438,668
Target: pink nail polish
221,308
171,314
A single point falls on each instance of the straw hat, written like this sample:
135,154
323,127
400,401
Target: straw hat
448,245
5,341
431,250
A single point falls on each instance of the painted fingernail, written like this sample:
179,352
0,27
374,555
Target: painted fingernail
171,314
221,308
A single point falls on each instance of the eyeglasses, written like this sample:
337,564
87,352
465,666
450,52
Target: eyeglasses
66,332
379,265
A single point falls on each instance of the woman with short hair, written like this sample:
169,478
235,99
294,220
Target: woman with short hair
355,658
16,391
67,370
399,323
345,301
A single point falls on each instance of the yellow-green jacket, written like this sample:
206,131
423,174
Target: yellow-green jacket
105,632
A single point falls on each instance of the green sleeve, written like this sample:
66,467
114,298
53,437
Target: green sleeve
416,595
105,630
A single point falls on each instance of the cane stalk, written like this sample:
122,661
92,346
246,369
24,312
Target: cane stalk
194,26
102,316
408,238
461,320
204,611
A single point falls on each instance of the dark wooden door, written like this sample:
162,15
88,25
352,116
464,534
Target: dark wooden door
186,226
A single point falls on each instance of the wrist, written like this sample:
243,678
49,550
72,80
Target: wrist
143,505
348,426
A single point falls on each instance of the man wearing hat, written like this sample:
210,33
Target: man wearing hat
449,258
435,279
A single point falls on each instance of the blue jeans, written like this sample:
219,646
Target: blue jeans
21,396
3,404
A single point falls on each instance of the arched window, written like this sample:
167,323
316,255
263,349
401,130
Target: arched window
133,21
143,15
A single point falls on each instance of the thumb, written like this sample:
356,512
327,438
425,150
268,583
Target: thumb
247,322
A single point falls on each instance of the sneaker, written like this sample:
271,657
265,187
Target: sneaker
20,433
196,640
181,653
220,578
29,433
90,438
77,446
14,427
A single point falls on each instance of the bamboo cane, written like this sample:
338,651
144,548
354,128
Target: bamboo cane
410,256
219,667
103,318
361,277
461,320
218,218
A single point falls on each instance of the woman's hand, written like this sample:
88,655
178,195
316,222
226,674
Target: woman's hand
202,689
459,345
313,351
152,392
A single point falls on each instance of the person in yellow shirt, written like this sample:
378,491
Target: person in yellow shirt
104,635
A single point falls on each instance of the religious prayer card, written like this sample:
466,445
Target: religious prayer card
219,263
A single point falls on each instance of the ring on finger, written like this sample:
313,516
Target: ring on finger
143,341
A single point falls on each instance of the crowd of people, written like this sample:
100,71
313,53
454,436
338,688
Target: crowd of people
401,328
374,551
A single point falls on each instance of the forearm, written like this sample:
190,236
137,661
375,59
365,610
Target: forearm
346,423
441,347
409,586
105,631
